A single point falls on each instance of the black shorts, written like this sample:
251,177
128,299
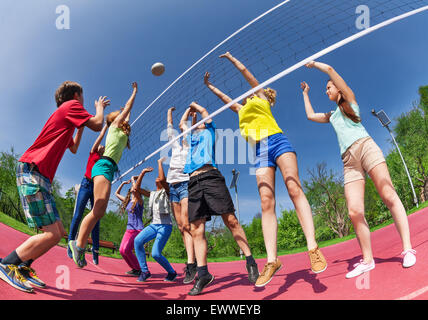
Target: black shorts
208,196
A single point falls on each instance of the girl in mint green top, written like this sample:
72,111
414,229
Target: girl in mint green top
347,124
102,174
347,130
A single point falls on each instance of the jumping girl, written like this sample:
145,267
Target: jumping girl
178,183
102,174
360,155
259,128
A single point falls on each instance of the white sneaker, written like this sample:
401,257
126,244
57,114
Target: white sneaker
409,258
360,268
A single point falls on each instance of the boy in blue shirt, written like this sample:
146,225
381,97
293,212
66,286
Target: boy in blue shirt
208,196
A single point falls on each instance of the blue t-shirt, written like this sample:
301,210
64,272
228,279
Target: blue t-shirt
202,148
135,218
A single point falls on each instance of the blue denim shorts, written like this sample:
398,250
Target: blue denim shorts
178,191
270,148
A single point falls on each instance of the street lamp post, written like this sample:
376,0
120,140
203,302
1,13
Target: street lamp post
385,121
234,184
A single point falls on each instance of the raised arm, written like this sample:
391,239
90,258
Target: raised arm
76,140
99,139
338,81
126,112
144,192
118,191
245,72
201,110
161,175
96,122
184,119
316,117
222,96
169,116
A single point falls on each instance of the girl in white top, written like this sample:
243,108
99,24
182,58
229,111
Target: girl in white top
178,184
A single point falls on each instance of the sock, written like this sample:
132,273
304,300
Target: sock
250,260
192,265
202,271
28,262
12,258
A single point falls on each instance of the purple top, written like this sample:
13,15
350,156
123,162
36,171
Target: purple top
135,219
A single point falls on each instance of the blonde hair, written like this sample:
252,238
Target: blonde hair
270,95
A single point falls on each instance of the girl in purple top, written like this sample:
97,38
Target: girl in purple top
133,204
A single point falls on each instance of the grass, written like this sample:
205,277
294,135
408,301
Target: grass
17,225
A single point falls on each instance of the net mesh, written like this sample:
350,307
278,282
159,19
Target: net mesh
288,34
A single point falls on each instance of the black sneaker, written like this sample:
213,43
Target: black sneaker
30,275
200,284
134,273
190,273
11,275
253,272
170,277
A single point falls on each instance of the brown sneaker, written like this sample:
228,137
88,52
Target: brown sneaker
318,262
268,271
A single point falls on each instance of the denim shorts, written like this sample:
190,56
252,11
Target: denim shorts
178,191
270,148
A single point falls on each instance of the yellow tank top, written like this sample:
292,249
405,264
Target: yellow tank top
256,121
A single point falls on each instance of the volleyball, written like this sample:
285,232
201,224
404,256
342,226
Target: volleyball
158,68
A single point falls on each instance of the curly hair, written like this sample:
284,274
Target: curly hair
126,202
270,95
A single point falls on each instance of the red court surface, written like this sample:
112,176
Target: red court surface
388,281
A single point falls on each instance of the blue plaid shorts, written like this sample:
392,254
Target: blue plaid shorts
35,192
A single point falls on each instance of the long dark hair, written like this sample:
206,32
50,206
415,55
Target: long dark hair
346,108
126,202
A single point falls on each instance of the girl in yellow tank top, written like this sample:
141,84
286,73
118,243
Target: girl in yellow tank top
258,125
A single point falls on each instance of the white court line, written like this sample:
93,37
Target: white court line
414,294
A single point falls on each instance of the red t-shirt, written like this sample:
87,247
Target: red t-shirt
93,157
56,137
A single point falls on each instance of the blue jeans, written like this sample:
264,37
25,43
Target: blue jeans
159,232
86,192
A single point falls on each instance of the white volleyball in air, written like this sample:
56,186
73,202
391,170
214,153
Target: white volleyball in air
158,68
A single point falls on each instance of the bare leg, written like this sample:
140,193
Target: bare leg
382,180
266,186
182,218
354,193
199,241
287,163
238,233
39,244
101,196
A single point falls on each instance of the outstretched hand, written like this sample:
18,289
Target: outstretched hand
102,102
207,78
226,55
148,169
135,86
171,109
310,64
305,87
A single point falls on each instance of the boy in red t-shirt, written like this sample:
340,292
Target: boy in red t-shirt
35,172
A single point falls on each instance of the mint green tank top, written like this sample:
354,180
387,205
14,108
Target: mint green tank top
347,131
116,142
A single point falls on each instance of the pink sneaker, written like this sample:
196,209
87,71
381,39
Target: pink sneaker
360,268
409,258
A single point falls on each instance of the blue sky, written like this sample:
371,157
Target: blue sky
112,43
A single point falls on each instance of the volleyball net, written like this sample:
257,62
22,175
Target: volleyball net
271,46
